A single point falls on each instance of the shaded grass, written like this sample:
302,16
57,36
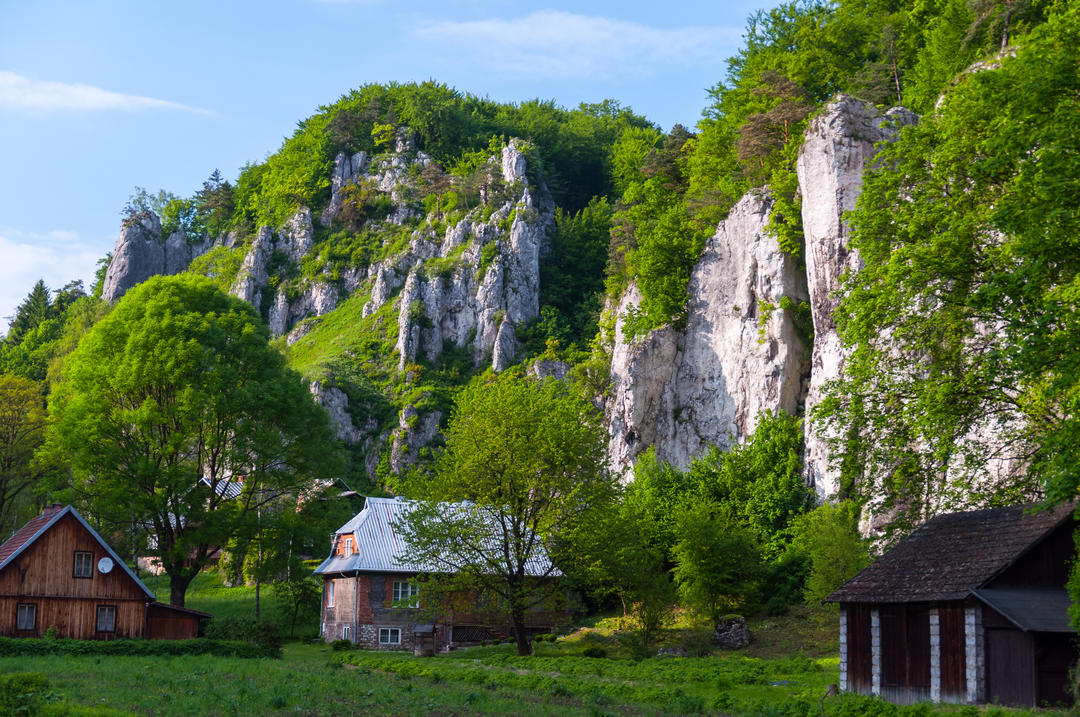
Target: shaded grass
207,593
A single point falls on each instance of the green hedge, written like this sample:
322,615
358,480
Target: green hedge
18,647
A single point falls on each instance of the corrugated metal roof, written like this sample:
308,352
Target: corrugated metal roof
952,554
38,525
1031,609
379,548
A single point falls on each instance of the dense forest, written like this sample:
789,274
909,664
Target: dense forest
964,312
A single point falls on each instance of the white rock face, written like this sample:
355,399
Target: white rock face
739,355
838,146
336,403
142,252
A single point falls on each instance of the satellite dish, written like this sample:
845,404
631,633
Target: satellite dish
105,565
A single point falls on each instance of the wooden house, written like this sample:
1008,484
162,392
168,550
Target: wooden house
970,608
57,572
372,594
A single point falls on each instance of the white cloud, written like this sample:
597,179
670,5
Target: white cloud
554,43
22,93
57,257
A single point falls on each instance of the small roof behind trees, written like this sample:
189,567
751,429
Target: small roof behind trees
952,555
379,546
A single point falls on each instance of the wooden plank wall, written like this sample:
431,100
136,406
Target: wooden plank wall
165,624
905,653
953,657
860,652
44,575
75,618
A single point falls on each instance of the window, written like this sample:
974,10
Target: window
346,632
84,564
406,593
330,593
106,618
348,546
26,616
389,636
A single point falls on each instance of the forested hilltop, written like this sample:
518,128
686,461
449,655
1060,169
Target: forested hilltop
807,295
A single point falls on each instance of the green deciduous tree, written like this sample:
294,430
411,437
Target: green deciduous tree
963,322
529,457
760,481
176,414
22,431
829,537
717,562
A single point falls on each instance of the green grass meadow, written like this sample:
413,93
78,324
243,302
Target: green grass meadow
784,673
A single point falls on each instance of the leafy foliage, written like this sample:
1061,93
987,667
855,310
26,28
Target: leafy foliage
172,402
528,456
967,231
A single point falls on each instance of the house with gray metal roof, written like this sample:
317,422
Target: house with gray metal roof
969,608
372,589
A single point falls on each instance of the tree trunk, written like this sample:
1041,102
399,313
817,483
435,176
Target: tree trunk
178,585
524,645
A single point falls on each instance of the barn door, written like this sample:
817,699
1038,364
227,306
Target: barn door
905,653
1010,667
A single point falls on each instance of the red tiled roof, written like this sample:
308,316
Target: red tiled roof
28,531
951,555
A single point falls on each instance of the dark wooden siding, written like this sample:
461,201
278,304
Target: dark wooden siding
905,653
75,618
1055,653
1045,565
953,657
1010,667
163,623
860,653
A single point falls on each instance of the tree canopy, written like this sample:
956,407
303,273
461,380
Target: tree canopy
963,320
528,456
177,417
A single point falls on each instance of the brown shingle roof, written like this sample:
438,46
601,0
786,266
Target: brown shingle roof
951,555
26,533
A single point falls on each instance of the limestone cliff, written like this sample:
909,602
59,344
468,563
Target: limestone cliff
743,350
839,144
141,252
740,353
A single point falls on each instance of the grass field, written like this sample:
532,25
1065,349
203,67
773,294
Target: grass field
784,673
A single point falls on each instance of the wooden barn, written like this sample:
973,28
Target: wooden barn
371,595
57,572
970,608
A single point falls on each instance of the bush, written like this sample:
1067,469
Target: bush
261,633
22,692
594,651
19,647
340,645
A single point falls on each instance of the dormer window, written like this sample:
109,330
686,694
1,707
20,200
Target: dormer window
348,546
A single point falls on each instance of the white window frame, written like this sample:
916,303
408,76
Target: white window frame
329,593
387,635
406,590
23,610
348,546
346,632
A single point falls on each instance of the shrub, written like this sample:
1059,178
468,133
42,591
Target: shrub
22,692
339,645
261,633
18,647
594,651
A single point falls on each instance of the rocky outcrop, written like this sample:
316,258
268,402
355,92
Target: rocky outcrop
740,353
478,283
839,145
415,431
142,252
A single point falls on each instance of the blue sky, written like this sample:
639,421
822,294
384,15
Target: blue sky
97,98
